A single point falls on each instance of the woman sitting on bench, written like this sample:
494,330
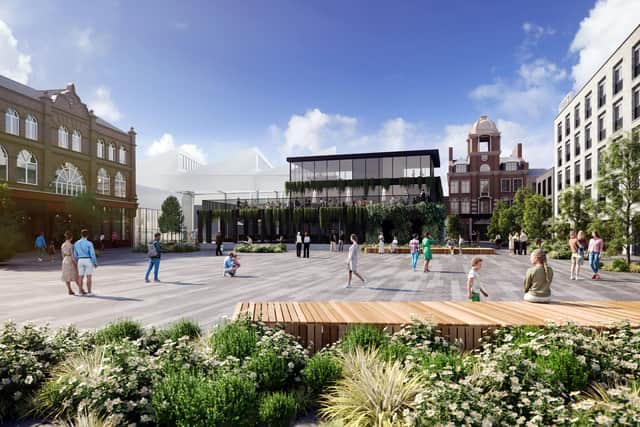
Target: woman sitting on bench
537,282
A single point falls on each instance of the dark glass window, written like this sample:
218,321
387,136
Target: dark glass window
307,171
559,132
635,109
373,168
559,180
576,172
321,170
359,166
576,116
399,164
587,106
617,116
587,137
617,78
576,144
567,125
413,167
425,165
636,61
296,171
387,167
549,185
602,131
559,156
333,170
567,176
602,96
587,167
567,151
346,169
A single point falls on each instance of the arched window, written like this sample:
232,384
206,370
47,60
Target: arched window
120,187
112,153
100,149
12,122
485,168
69,181
76,141
104,182
4,164
31,128
122,156
27,168
63,137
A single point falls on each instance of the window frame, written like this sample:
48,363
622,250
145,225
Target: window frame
454,186
12,122
4,156
111,152
617,84
31,127
69,188
465,183
63,137
103,180
120,186
26,167
617,118
504,181
76,141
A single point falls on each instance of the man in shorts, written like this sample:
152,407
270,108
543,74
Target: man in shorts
84,252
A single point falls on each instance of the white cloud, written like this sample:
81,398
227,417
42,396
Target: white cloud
162,145
396,133
315,132
167,143
103,106
533,34
13,63
600,33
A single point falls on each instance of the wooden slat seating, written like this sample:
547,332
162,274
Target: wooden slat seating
318,324
439,251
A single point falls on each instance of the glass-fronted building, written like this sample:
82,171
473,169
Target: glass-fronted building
386,177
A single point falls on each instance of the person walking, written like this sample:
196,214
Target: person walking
51,251
537,281
381,243
154,251
523,242
69,265
333,240
582,250
460,242
307,244
84,252
341,241
41,246
352,261
414,248
498,240
101,241
575,258
426,251
298,245
114,239
452,246
473,281
511,240
516,243
595,249
218,244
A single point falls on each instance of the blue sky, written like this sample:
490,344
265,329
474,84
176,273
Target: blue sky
304,77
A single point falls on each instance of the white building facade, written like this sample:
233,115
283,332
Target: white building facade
606,107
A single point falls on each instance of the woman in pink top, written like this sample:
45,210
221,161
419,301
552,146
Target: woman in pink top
414,247
595,248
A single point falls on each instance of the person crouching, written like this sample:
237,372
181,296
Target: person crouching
230,265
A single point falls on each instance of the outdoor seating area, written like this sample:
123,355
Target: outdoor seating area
318,324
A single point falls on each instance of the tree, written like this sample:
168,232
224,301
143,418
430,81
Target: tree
453,226
9,229
171,218
85,212
576,207
537,210
503,220
618,182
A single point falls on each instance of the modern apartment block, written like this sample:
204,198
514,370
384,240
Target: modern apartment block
605,107
52,147
482,178
544,185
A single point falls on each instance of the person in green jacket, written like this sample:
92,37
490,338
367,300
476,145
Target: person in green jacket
426,250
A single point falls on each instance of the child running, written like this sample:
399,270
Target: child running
473,281
352,260
414,247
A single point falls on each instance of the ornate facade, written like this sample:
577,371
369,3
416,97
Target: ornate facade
52,147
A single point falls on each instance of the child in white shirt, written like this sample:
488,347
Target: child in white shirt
473,281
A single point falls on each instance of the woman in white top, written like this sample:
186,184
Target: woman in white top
352,260
394,245
381,243
510,243
460,242
298,244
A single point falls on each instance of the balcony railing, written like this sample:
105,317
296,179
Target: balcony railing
283,202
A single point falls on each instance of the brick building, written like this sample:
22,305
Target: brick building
482,178
52,147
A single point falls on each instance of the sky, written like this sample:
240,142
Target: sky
303,77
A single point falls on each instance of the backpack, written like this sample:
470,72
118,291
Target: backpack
152,252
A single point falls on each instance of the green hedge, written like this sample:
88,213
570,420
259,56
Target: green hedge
261,248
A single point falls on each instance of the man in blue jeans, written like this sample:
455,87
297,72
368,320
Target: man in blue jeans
154,250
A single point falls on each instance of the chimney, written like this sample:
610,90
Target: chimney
517,151
450,153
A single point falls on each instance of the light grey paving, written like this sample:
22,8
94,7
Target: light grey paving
193,286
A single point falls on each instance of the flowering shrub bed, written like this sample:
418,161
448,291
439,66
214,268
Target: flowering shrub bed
247,374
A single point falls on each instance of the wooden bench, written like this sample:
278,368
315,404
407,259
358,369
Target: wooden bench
439,251
319,324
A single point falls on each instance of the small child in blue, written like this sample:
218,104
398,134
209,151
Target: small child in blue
230,265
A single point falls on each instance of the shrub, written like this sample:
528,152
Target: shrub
238,339
372,392
619,265
86,419
634,267
261,248
322,370
118,331
114,380
364,337
26,358
277,409
186,399
182,328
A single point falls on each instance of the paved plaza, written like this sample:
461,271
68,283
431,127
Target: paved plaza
193,287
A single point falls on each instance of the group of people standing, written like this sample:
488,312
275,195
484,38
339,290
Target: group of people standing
579,247
518,242
414,249
303,244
